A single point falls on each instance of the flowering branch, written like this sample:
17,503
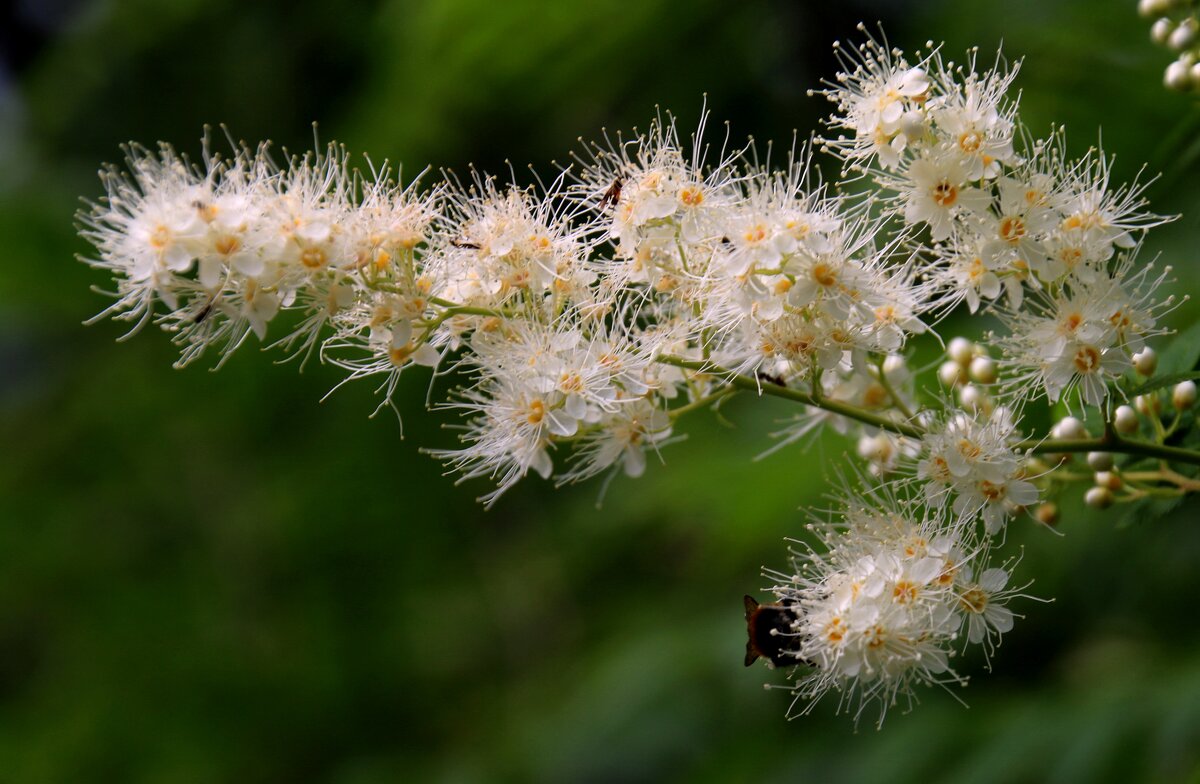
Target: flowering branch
590,314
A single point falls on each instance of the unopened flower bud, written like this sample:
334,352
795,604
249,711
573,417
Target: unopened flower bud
1161,30
1099,497
1125,420
1151,8
972,398
1047,513
1145,362
1069,428
1100,461
1195,73
1177,76
1108,479
894,365
960,350
1149,404
983,370
952,374
1184,35
1183,396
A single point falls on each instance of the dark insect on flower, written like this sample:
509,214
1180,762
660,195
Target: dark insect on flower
465,244
204,311
769,627
612,195
770,378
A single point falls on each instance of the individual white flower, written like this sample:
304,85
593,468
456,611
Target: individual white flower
983,603
147,230
509,434
621,439
1091,366
880,99
1100,214
974,118
1015,233
970,273
938,191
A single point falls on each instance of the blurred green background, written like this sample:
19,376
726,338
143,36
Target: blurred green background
210,577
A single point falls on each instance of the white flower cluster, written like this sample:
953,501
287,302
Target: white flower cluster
756,270
895,587
583,317
941,139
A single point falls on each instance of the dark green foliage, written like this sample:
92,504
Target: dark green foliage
213,578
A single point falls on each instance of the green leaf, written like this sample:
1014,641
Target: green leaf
1145,511
1182,354
1164,381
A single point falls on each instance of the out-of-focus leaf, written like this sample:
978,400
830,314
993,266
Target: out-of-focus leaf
1146,510
1183,352
1158,382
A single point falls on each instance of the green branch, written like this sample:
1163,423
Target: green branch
762,386
1111,443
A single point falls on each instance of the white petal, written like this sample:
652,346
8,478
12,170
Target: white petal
993,580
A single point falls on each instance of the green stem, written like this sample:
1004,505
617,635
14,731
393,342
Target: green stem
702,402
765,387
1110,442
1123,446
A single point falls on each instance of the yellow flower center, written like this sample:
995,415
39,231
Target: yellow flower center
824,275
227,244
905,592
973,601
313,257
1087,359
945,193
1012,229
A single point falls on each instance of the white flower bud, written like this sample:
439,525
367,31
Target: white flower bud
1069,428
973,398
1150,8
1100,461
1161,30
1184,35
1183,396
1148,405
1153,7
983,370
1126,421
1108,479
960,350
1145,362
894,364
1195,73
1099,498
1177,76
951,374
